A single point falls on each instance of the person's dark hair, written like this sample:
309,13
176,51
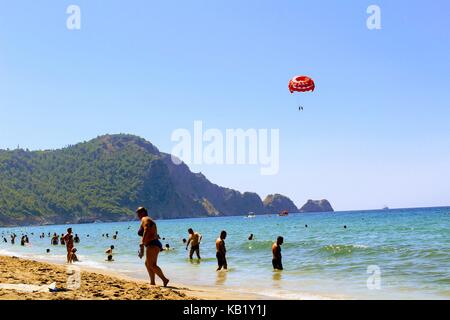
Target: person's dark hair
223,233
112,247
280,239
190,230
69,229
142,210
184,240
167,245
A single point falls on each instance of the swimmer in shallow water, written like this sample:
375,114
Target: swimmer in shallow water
62,240
72,256
276,254
109,253
55,239
221,251
194,240
167,247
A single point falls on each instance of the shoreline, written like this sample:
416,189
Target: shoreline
50,224
96,284
323,259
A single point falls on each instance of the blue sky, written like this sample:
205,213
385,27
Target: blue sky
375,132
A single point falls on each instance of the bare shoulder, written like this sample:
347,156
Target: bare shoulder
146,222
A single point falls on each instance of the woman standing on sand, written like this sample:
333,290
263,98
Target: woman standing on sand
152,245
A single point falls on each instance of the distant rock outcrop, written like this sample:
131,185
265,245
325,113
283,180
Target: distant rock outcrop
275,203
317,206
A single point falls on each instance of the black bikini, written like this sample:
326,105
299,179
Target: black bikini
156,243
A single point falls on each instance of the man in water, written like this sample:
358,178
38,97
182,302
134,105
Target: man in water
221,251
68,240
55,239
276,252
194,240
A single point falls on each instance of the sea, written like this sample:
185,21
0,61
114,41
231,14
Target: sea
378,254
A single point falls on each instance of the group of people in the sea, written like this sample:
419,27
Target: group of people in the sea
56,240
150,246
24,240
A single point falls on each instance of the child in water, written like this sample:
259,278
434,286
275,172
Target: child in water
73,257
109,252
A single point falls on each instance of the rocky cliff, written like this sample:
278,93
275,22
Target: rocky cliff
275,203
317,206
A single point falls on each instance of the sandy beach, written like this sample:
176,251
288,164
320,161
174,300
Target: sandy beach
93,285
19,276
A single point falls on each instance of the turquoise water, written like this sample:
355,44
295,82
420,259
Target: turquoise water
411,248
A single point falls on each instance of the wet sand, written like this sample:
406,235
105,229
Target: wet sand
23,279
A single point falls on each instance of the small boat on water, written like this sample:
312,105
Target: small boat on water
251,215
283,213
386,208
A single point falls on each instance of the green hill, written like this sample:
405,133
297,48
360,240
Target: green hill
106,179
